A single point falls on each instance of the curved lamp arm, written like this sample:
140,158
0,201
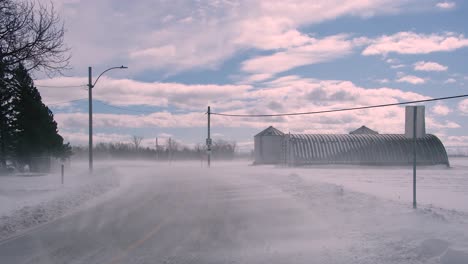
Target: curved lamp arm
120,67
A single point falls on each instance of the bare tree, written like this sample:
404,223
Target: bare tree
224,149
33,35
136,141
172,145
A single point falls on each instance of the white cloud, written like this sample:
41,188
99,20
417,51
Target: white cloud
157,119
391,61
450,80
446,5
315,51
429,66
269,33
414,43
293,94
398,66
441,109
81,138
171,36
457,141
286,94
440,126
257,77
383,81
125,92
463,106
411,79
165,135
178,36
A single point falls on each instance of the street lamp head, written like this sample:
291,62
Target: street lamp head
112,68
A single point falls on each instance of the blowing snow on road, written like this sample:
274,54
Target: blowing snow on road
232,213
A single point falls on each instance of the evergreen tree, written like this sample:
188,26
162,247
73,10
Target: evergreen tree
7,117
36,131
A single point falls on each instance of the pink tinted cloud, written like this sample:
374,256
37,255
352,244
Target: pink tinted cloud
463,106
441,109
315,51
126,92
414,43
282,95
429,66
446,5
411,79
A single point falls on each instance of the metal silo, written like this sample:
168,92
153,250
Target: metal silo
268,146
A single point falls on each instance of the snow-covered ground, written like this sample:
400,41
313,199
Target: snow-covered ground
235,213
437,186
30,199
369,229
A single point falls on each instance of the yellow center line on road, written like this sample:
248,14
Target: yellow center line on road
136,244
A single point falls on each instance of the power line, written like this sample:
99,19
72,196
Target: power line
64,102
64,86
342,109
126,109
108,105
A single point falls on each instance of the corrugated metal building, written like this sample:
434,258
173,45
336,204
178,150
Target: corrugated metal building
365,149
269,146
362,146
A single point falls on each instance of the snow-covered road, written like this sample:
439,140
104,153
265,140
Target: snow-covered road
237,214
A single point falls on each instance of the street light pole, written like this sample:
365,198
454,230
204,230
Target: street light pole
208,139
90,107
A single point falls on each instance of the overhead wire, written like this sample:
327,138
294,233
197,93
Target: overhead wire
126,109
64,102
108,105
61,86
341,109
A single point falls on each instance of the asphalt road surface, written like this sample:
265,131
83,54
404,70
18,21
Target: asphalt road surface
187,214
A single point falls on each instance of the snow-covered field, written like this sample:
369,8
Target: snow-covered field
437,186
371,229
30,199
235,213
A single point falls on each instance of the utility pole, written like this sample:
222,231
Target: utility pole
208,139
414,156
90,98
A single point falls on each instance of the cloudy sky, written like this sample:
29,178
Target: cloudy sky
259,57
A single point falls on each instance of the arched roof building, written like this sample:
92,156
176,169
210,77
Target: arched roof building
365,147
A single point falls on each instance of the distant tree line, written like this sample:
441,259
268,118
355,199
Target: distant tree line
171,150
460,151
31,39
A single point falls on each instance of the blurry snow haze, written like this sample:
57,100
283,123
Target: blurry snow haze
181,172
136,210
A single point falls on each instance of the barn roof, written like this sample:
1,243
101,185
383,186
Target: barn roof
383,149
363,130
270,131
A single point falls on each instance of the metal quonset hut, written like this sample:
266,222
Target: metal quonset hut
363,146
365,149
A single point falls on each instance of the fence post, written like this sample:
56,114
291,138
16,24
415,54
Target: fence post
63,172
